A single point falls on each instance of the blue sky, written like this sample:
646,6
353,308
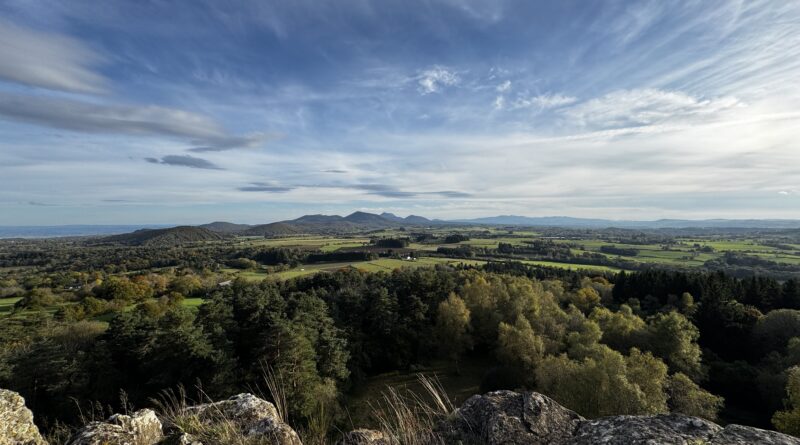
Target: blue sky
187,112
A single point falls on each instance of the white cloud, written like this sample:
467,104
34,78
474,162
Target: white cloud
544,101
48,60
645,107
433,79
499,102
94,118
504,87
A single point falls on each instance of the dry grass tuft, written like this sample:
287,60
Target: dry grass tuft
407,418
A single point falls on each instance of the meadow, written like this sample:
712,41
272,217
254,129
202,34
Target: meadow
681,253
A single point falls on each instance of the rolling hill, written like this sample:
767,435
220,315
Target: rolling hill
273,229
165,237
225,227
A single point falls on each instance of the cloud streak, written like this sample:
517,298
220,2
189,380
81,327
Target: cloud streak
89,117
645,107
47,60
265,187
185,161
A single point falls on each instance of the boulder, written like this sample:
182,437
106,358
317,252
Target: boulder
507,417
662,429
16,421
249,414
746,435
141,428
364,437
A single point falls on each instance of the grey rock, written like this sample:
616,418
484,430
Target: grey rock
16,421
662,429
745,435
141,428
251,415
507,417
364,437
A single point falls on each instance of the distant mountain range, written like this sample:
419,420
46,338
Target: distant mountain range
566,221
363,221
324,224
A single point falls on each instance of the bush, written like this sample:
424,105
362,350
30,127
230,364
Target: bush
455,238
37,299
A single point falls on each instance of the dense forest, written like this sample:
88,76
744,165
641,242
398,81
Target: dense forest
705,344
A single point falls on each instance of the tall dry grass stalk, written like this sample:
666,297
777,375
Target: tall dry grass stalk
277,391
216,428
408,418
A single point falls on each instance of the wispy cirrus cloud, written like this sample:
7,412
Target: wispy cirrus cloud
185,161
541,102
48,60
265,187
391,191
97,118
225,143
435,78
645,107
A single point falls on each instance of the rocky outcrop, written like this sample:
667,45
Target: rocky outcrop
507,417
745,435
16,421
249,415
141,428
667,429
500,417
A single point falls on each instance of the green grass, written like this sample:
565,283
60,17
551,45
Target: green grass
7,304
572,266
192,303
379,265
682,254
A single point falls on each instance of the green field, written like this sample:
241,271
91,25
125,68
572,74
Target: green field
684,253
681,252
571,266
380,265
7,304
192,303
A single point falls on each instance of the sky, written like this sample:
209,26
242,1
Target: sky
136,112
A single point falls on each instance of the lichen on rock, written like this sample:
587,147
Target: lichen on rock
247,415
140,428
507,417
16,421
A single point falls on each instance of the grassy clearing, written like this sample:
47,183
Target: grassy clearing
380,265
324,243
571,266
192,303
7,304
